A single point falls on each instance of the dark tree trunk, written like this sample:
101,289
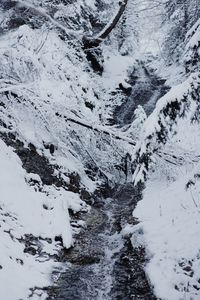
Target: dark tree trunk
90,42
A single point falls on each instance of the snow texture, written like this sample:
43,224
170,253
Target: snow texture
170,208
169,214
26,211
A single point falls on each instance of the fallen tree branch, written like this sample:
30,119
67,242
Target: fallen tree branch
90,42
98,128
13,87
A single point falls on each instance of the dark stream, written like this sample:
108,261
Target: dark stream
104,265
147,88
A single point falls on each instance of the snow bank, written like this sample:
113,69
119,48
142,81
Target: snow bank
170,217
170,222
26,211
168,152
180,102
116,69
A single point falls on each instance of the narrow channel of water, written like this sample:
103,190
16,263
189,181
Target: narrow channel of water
103,265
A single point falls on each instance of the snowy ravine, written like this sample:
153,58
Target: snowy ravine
99,150
51,166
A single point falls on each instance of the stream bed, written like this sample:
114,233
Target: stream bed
103,265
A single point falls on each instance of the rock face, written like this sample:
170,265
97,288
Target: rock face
103,264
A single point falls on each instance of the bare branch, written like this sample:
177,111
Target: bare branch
98,128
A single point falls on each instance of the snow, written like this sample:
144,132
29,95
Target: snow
45,82
192,49
116,69
177,93
149,140
43,76
194,41
43,13
169,213
170,222
54,82
22,212
193,29
43,79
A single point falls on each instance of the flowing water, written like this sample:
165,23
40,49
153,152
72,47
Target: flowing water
147,88
103,265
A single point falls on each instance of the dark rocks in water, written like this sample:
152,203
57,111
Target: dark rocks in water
147,88
126,90
30,250
102,264
130,279
82,260
33,244
94,56
86,196
133,79
51,147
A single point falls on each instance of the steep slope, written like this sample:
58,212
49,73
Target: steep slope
69,122
167,157
49,90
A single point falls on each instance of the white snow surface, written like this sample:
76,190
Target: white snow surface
22,213
170,209
48,76
170,222
170,214
158,119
